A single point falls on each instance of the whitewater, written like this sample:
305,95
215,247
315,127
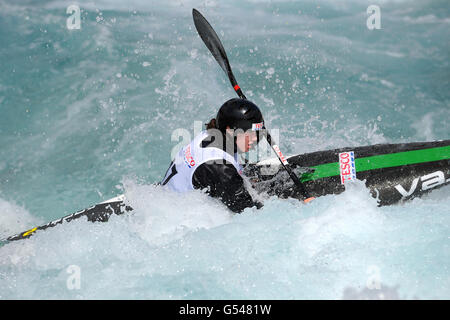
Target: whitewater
91,113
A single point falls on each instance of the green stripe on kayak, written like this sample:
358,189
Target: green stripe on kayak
381,161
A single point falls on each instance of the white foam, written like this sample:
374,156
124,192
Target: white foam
190,246
162,216
14,219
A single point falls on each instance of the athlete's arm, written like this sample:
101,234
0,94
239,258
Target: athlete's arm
224,182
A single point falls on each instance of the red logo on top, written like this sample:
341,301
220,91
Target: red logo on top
188,157
347,166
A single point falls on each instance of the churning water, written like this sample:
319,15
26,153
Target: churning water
89,113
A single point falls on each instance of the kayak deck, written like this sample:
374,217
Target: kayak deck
393,172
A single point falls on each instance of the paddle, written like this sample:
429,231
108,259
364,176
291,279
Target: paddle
98,213
212,42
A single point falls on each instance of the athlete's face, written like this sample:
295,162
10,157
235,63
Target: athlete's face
246,141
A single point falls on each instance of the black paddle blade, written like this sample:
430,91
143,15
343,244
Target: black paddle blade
211,40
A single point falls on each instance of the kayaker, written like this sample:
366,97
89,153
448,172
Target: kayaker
210,161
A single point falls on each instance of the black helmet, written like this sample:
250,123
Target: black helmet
239,114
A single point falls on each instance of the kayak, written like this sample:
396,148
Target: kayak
393,173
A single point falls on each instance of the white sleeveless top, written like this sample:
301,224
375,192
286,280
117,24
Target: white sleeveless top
179,175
